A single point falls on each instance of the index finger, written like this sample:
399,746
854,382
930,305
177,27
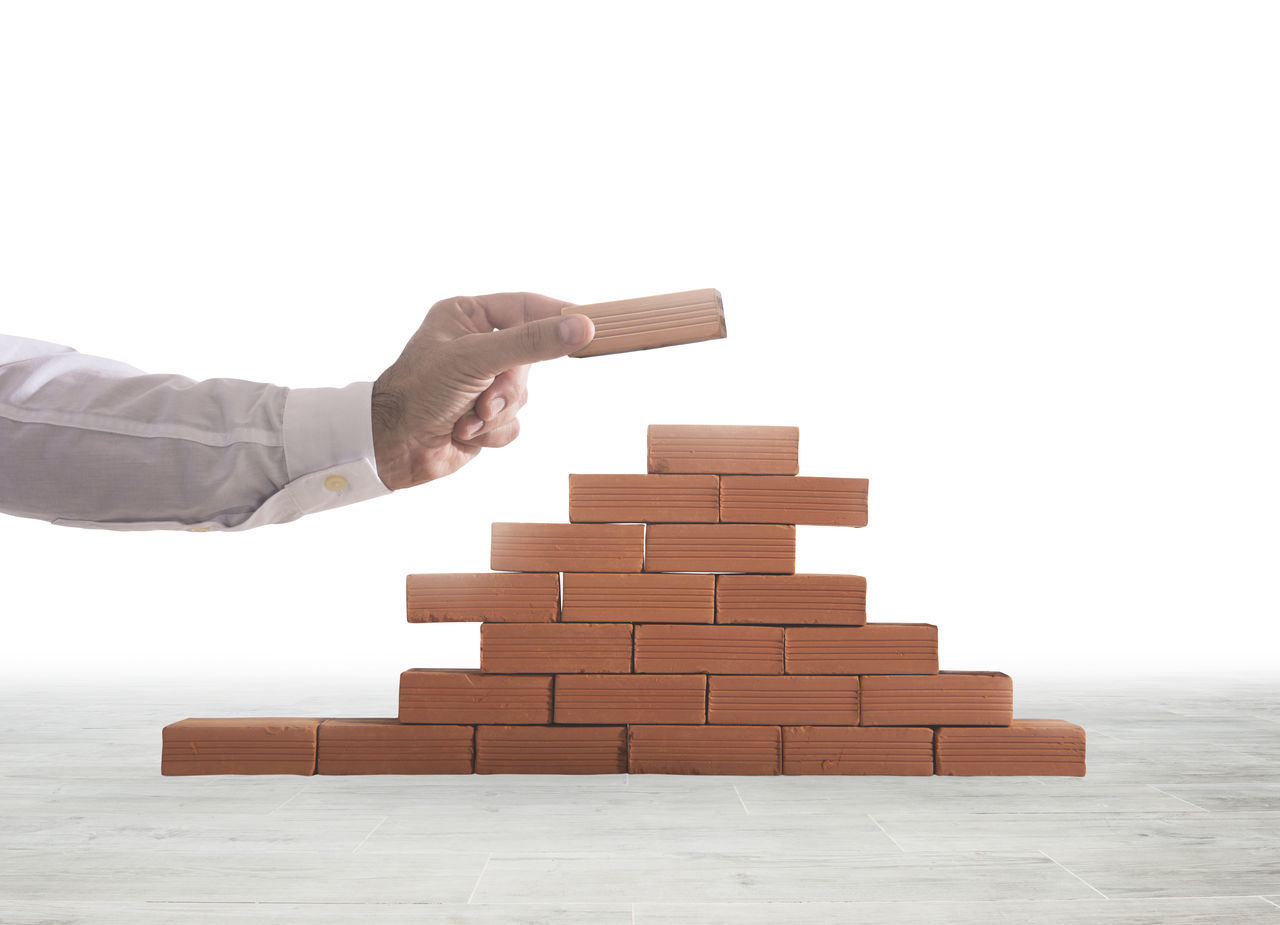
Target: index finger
509,309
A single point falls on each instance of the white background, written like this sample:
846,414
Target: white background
1014,262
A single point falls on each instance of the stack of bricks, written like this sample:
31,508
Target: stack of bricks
664,630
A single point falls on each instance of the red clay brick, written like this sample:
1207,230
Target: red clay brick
703,749
800,700
782,499
720,548
644,499
630,698
551,750
244,745
857,750
652,321
839,600
1040,747
464,695
721,449
387,746
547,648
496,597
949,698
645,597
674,649
519,547
876,648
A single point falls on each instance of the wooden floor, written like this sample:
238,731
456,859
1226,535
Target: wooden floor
1178,821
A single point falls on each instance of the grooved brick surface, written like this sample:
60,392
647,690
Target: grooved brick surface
520,547
630,698
521,597
672,648
463,695
551,750
387,746
902,750
721,449
876,648
662,749
1044,747
239,745
644,597
652,321
780,499
801,700
720,548
644,499
949,698
546,648
792,599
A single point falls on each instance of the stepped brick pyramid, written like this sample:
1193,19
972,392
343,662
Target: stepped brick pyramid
664,630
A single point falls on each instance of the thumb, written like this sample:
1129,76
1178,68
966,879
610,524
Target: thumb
498,351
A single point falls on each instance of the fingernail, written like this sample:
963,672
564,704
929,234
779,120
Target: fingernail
471,429
496,406
573,328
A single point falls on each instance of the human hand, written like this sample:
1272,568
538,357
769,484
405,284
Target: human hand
462,378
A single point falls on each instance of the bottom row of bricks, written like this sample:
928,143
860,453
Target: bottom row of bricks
386,746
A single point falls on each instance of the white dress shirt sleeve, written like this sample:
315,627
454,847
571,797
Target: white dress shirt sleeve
91,442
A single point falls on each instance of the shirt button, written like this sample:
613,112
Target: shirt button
335,483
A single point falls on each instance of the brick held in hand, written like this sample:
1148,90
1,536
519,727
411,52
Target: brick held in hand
799,499
630,698
724,449
798,700
546,648
495,597
671,749
899,750
521,547
949,698
720,548
387,746
652,321
240,745
875,648
644,498
551,750
464,695
1040,747
673,649
641,597
792,599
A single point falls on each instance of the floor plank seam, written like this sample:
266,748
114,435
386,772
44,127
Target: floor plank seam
1265,900
357,848
479,878
1078,877
886,833
741,800
1178,798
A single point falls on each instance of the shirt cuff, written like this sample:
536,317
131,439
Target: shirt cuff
326,427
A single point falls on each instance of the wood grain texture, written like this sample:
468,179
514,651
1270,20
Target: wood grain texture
623,698
724,449
798,700
720,548
652,321
239,745
644,498
949,698
551,749
547,648
464,695
387,746
670,749
645,597
1040,747
876,648
808,598
894,750
520,597
675,649
526,547
800,499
